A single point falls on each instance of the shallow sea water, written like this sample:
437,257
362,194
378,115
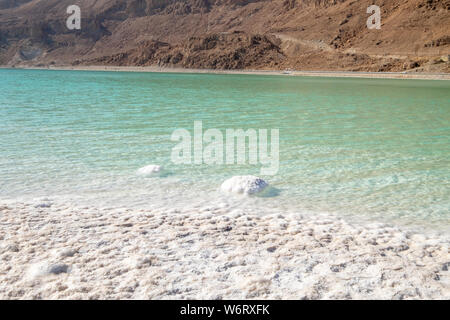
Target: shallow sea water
370,149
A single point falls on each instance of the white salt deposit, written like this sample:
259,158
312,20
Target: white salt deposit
63,252
43,203
244,185
151,169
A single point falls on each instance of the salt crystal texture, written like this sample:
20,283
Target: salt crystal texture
151,169
134,254
244,185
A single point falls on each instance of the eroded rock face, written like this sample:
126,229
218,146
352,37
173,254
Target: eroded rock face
314,34
244,185
7,4
229,51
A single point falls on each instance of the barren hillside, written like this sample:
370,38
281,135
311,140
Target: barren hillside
229,34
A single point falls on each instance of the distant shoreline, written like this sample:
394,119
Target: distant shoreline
329,74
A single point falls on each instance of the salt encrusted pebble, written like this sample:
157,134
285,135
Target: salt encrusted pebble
151,169
58,268
13,248
244,185
44,269
67,253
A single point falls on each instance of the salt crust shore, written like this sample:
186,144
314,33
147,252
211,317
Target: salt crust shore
329,74
51,251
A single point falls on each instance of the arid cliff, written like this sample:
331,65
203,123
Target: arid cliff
229,34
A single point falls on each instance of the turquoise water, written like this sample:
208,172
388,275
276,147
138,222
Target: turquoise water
368,149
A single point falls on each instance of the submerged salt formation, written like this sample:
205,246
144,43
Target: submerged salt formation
244,185
151,169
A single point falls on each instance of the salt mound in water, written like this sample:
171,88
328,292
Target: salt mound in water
244,184
151,169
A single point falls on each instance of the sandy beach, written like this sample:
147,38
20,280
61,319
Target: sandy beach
52,251
333,74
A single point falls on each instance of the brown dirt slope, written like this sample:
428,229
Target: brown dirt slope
229,34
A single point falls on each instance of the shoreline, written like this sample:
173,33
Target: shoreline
297,73
134,243
56,251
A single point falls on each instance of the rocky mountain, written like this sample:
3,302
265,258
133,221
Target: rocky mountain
229,34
